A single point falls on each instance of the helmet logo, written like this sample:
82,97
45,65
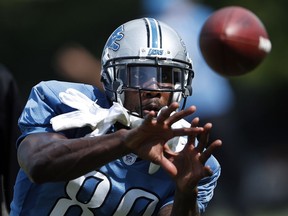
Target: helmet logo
154,52
183,45
117,35
157,52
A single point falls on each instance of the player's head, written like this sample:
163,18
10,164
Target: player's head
146,56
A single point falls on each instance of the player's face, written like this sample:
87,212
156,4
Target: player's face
150,100
152,89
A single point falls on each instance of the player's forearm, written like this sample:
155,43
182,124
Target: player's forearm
60,159
185,204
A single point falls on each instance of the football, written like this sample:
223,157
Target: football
234,41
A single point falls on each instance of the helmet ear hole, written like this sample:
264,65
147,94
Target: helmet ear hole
115,85
105,78
188,91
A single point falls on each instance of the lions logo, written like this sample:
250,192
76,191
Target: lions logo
117,35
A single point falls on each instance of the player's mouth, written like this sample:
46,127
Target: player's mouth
151,107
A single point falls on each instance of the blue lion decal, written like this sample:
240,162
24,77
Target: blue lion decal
117,35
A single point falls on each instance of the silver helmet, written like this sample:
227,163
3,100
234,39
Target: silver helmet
142,49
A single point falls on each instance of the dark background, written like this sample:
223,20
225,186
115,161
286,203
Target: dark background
32,30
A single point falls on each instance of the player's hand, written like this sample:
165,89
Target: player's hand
148,140
188,166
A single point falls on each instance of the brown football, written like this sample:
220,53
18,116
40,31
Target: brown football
234,41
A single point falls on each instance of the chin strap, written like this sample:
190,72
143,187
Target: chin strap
88,113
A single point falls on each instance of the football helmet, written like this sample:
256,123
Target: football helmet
146,50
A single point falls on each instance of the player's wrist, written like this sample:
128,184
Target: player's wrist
187,192
185,202
122,135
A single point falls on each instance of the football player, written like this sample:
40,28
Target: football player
126,151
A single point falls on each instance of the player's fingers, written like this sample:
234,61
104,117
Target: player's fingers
193,132
210,150
207,171
168,166
180,115
195,122
166,112
148,118
192,138
204,137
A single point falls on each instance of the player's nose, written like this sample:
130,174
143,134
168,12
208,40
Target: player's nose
151,85
151,94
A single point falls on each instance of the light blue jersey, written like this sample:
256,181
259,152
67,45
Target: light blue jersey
122,187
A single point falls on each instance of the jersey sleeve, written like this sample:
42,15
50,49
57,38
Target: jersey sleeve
207,185
44,103
38,111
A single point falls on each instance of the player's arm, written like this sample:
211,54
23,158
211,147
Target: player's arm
53,157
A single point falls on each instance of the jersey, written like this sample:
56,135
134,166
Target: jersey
121,187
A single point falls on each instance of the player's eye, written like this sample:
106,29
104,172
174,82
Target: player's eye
165,78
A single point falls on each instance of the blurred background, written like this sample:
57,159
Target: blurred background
60,39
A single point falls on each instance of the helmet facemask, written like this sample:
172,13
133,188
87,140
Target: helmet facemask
148,75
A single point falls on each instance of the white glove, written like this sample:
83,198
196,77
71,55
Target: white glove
88,113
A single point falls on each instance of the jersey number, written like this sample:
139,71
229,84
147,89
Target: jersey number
98,195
